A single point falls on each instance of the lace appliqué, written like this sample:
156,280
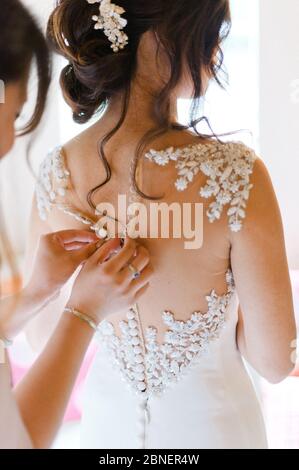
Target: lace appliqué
149,367
228,168
52,182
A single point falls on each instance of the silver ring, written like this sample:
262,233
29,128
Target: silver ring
134,271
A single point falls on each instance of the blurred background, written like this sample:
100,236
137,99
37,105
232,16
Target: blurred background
262,99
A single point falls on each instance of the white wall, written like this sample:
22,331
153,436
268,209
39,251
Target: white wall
279,109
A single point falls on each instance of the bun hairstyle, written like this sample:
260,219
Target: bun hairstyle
21,41
189,31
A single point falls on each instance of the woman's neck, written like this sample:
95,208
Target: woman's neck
139,116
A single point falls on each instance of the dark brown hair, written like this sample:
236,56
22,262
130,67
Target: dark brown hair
21,41
188,30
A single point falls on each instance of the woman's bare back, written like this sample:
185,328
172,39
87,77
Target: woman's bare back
226,180
183,277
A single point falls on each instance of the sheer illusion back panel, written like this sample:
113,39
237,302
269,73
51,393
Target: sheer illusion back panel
187,282
183,278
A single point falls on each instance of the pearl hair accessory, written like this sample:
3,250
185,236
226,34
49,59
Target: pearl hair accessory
111,22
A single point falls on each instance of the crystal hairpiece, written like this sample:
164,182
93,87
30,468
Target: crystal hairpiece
112,23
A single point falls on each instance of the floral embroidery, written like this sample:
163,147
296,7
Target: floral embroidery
163,157
228,168
52,182
181,184
148,367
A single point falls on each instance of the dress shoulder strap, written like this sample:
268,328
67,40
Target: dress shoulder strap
53,182
228,168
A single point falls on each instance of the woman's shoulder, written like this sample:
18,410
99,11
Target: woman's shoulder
62,169
226,170
52,181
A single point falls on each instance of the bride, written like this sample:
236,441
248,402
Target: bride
168,373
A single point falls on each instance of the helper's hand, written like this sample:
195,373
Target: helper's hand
105,287
58,255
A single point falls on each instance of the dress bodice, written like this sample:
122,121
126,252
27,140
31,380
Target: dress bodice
147,365
189,343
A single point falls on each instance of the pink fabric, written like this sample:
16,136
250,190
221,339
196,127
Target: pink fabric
73,412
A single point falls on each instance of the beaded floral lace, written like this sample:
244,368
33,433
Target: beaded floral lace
149,367
145,365
228,168
52,182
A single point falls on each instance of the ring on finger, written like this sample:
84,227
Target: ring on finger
134,271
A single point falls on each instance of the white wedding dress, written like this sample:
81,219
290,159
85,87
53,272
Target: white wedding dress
193,390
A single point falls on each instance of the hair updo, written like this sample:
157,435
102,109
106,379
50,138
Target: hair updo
190,31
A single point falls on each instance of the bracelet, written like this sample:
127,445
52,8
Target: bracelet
82,317
6,342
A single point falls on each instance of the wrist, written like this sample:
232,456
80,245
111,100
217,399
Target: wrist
89,308
4,341
17,311
77,326
20,309
37,298
82,313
